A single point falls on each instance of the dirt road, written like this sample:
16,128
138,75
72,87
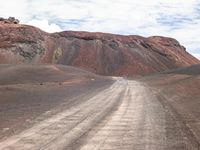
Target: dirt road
125,116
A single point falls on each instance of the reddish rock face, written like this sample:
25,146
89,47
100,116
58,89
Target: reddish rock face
10,20
101,53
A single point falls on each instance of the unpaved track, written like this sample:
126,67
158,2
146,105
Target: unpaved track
126,116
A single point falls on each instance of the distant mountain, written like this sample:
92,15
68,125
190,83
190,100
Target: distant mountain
101,53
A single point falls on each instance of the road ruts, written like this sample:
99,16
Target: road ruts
139,123
126,116
71,123
130,126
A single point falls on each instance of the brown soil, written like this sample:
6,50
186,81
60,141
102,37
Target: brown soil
181,91
101,53
27,91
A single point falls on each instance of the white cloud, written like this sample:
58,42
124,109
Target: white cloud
197,56
17,8
174,18
44,25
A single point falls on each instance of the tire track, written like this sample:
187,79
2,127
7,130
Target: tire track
118,130
125,116
66,122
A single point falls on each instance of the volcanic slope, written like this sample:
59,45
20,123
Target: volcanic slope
27,91
179,90
149,113
101,53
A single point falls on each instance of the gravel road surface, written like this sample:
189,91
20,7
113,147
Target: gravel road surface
124,116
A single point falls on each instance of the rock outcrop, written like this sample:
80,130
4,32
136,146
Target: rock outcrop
10,20
101,53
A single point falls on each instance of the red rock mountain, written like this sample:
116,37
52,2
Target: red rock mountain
101,53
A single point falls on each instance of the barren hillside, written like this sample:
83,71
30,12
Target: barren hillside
101,53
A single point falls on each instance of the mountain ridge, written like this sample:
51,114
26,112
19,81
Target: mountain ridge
101,53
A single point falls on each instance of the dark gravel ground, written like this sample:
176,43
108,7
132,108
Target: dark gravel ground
24,99
181,91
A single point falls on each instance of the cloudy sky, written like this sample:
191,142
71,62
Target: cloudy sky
179,19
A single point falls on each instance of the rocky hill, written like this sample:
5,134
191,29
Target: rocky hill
101,53
10,20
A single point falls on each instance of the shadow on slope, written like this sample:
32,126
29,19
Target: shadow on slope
22,74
